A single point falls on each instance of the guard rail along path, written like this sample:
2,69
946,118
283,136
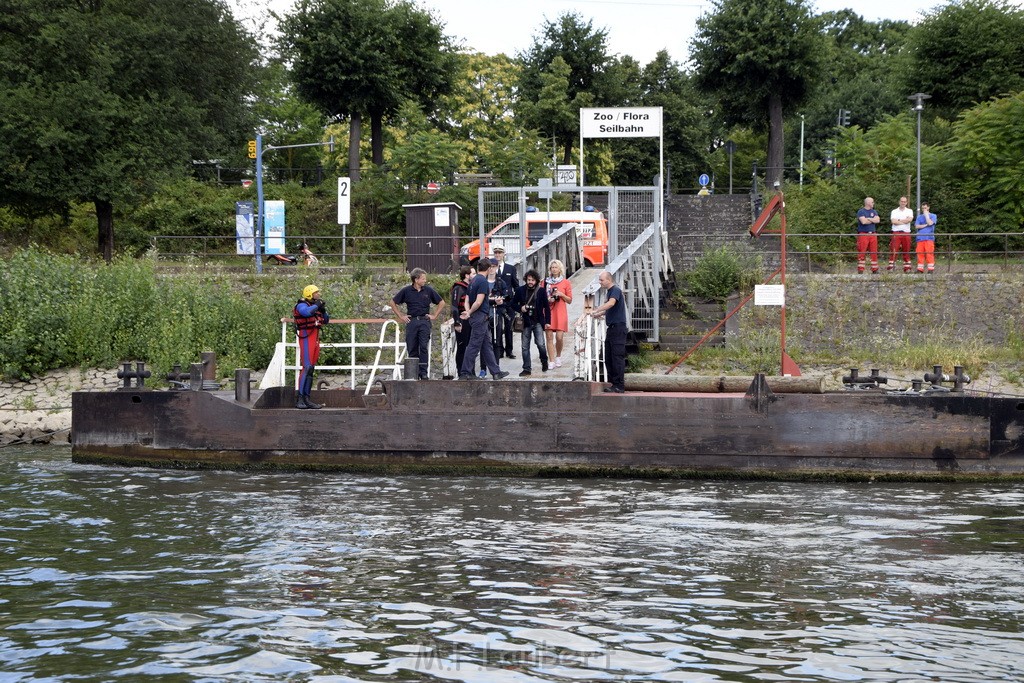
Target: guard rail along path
638,271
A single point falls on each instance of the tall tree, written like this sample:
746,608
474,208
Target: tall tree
101,99
967,52
479,108
758,57
355,58
663,83
584,50
988,143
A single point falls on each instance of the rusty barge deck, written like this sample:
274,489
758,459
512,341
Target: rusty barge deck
552,427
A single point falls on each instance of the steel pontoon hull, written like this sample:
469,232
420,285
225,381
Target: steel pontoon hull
533,427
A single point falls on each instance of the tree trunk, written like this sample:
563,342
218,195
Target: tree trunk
377,133
105,223
354,134
776,150
567,154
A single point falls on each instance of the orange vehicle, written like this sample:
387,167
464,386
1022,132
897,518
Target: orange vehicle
591,226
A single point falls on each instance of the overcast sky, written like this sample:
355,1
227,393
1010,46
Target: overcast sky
638,28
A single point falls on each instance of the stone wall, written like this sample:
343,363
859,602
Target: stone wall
833,312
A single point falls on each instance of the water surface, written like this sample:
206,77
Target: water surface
117,574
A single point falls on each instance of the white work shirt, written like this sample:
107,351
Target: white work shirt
907,215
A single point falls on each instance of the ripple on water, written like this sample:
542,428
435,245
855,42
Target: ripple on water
231,576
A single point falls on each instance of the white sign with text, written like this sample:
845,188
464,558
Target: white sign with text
621,122
769,295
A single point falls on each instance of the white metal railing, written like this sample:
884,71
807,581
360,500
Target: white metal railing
637,271
389,346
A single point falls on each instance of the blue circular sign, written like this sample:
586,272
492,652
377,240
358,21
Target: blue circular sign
704,179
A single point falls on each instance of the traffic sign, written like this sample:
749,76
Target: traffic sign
433,188
704,179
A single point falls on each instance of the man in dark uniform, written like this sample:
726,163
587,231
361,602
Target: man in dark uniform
503,319
418,298
614,312
478,310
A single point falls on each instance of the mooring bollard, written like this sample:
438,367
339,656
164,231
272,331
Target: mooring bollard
242,385
195,381
209,359
411,368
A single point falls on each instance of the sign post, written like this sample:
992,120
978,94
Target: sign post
626,122
260,204
344,211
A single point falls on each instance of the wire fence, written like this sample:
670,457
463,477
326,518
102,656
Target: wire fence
954,252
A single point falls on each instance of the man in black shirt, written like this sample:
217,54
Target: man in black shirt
418,297
478,310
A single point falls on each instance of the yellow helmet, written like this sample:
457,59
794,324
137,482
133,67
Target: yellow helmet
309,291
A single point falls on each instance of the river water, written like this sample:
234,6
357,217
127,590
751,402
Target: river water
116,574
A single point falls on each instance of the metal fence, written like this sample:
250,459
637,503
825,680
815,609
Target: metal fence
954,252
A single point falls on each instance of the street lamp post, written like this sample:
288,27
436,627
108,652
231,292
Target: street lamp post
919,99
260,149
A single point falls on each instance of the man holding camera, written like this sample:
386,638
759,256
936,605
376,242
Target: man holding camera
418,297
310,315
531,301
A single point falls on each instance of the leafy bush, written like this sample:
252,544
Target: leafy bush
62,311
719,273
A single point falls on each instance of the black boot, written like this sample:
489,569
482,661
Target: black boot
300,402
314,406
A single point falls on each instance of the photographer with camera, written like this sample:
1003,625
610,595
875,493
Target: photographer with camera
418,297
310,314
531,301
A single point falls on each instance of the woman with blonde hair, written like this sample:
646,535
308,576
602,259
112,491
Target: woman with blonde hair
559,298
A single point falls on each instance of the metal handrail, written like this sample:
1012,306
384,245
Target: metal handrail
383,344
638,277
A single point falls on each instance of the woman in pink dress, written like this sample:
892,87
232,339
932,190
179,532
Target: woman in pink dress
559,296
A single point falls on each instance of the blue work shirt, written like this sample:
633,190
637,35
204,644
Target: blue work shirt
417,303
616,315
479,285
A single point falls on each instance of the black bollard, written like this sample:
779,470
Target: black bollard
242,385
196,377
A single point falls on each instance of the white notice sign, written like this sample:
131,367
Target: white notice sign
769,295
442,216
621,122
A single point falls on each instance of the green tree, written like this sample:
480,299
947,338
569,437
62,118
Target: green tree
988,145
355,58
479,108
687,132
862,74
967,52
101,100
584,50
286,119
757,58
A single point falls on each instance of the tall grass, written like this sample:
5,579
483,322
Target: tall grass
63,311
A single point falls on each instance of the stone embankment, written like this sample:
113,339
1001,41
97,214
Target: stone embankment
39,411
